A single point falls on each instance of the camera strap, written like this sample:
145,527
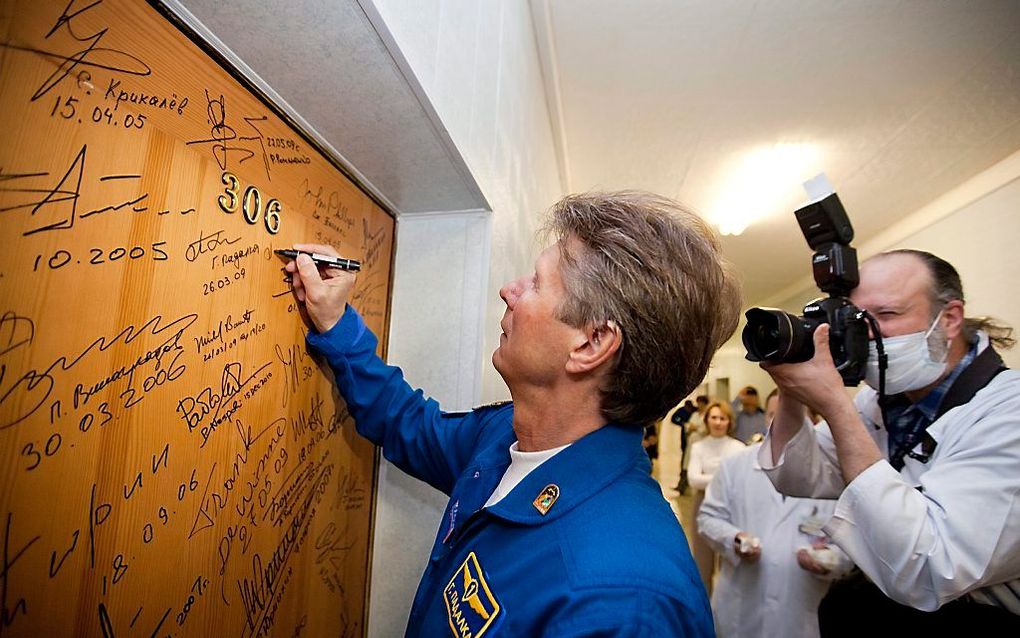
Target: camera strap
985,367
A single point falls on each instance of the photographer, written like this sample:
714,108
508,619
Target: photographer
927,495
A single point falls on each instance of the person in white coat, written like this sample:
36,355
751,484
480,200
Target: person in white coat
776,562
925,464
706,455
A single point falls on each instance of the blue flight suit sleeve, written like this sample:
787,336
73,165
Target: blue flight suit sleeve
414,433
625,612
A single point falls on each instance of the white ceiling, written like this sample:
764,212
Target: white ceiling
903,100
333,64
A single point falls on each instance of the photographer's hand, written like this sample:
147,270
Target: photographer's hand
816,383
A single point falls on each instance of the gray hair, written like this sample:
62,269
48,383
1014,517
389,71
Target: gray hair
655,268
947,286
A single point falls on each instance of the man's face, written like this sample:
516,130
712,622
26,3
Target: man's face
748,401
894,289
535,344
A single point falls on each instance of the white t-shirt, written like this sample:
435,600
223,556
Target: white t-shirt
521,464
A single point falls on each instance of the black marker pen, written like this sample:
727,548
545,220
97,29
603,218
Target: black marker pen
323,260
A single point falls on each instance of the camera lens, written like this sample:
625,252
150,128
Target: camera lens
775,335
767,334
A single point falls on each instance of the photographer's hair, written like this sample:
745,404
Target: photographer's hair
727,412
946,287
655,269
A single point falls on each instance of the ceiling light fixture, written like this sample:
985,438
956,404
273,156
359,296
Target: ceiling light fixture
765,181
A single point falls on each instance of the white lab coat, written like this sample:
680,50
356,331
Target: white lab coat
935,530
775,596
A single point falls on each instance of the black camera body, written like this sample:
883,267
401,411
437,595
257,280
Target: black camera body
774,335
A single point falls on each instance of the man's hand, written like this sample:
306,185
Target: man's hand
808,563
815,382
812,382
746,548
818,560
323,295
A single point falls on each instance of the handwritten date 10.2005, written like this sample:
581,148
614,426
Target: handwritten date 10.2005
250,202
62,257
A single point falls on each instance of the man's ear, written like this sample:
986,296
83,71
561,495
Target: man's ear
601,344
953,315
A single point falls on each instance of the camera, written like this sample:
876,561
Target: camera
774,335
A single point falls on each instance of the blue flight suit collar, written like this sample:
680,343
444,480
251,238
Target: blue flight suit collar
580,471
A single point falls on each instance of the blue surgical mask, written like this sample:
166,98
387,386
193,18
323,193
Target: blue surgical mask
911,365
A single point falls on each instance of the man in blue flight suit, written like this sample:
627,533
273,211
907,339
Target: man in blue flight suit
554,526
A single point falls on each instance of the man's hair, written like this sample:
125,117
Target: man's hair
701,399
946,287
655,269
751,391
727,412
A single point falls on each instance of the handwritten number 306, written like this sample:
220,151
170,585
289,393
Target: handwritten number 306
251,203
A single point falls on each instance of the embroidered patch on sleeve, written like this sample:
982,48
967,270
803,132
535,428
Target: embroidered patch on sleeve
471,607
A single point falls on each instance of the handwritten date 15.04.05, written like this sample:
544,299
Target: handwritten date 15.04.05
66,107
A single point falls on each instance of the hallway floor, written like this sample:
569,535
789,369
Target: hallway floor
666,470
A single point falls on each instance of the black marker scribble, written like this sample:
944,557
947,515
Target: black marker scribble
259,592
8,176
202,513
372,243
91,56
9,614
32,380
220,133
116,207
21,328
207,244
53,196
59,203
109,177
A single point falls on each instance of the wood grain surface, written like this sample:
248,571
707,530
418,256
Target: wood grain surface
172,460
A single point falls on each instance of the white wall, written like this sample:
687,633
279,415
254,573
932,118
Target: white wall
975,227
478,64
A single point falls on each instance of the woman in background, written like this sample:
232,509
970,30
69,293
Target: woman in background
706,455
